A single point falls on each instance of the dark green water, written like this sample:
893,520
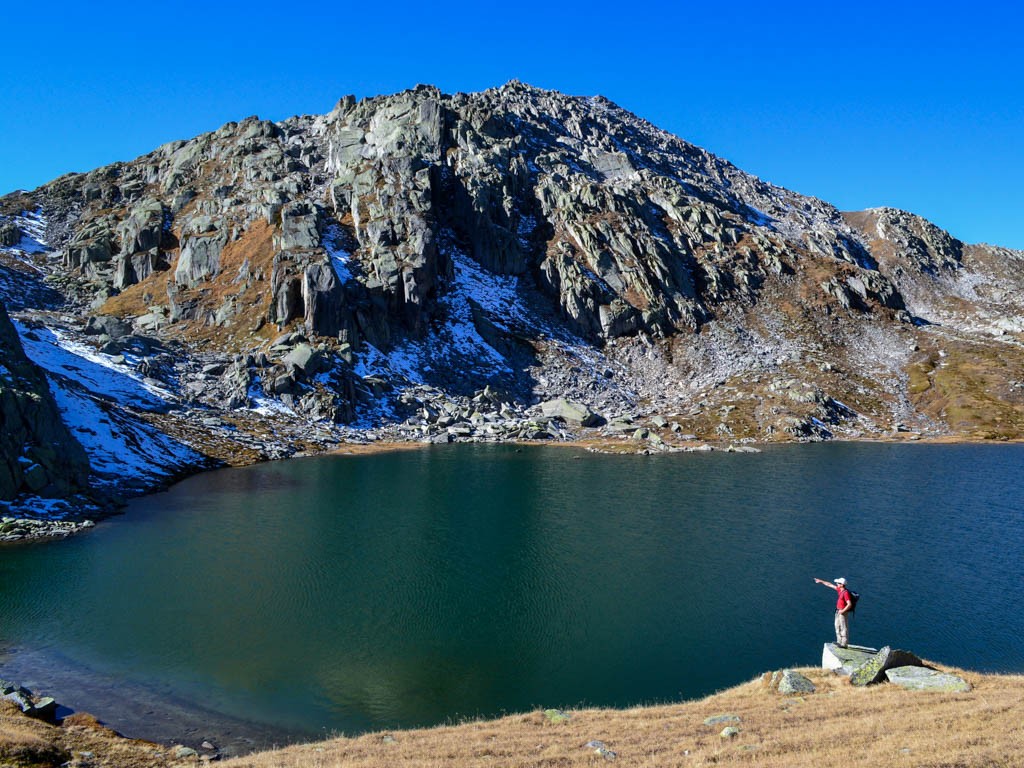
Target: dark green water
410,588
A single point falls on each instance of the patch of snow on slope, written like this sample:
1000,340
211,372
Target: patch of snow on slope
456,344
56,352
91,392
119,447
340,257
33,227
264,405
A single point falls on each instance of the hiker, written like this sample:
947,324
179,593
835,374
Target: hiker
844,608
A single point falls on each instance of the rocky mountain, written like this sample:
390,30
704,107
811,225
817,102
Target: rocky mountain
511,264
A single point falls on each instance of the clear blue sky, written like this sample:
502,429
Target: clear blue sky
919,107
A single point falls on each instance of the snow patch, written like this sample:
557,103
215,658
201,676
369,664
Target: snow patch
118,446
33,233
263,405
456,345
340,258
758,217
57,352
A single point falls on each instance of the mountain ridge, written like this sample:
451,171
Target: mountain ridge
425,266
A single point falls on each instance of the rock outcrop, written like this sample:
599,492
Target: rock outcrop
38,455
873,670
844,661
787,682
917,678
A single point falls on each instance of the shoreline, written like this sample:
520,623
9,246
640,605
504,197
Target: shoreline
17,526
757,713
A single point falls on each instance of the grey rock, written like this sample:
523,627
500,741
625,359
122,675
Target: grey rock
570,411
10,235
200,254
873,670
916,678
44,709
114,327
787,682
299,227
720,719
304,358
845,660
37,451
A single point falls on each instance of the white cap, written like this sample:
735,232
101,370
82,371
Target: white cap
841,580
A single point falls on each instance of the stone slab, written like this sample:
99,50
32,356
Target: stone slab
844,661
873,670
925,679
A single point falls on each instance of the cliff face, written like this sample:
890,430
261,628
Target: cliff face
37,453
397,252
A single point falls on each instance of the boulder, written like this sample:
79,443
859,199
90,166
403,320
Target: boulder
108,325
299,227
200,255
10,235
304,358
572,412
873,670
844,661
44,709
788,681
720,719
917,678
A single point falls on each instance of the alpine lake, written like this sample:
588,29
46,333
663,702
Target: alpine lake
341,594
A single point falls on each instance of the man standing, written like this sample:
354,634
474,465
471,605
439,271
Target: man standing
843,607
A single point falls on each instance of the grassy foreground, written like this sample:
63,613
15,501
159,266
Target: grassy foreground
839,725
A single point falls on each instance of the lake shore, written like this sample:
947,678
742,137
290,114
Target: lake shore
964,729
33,519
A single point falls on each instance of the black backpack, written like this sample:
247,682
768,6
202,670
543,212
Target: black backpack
854,597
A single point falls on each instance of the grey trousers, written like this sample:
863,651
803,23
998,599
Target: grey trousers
842,628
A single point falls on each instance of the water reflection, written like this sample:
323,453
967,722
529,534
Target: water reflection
348,593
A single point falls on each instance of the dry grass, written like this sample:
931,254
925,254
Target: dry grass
255,249
838,726
28,743
971,387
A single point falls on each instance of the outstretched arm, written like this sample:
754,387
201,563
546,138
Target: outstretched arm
828,584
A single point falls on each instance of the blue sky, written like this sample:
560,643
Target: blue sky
915,106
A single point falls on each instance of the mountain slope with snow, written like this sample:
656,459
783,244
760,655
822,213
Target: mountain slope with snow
435,266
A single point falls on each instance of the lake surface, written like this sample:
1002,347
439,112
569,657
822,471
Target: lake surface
341,594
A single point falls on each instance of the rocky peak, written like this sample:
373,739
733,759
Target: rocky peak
541,244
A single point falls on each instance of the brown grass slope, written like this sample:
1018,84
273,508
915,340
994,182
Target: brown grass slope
839,725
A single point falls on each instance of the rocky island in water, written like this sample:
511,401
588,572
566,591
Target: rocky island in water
515,264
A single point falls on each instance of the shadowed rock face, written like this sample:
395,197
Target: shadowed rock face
37,453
